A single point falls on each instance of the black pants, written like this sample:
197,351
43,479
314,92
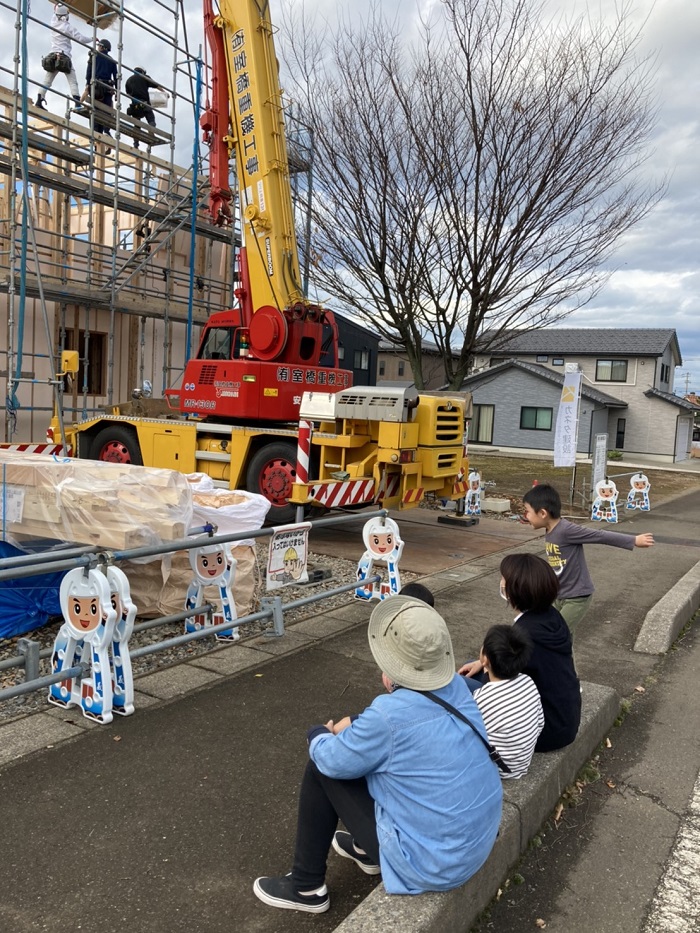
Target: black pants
107,101
322,802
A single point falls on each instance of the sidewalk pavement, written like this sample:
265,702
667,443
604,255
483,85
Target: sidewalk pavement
160,822
627,858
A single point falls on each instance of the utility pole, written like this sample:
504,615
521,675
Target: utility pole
686,376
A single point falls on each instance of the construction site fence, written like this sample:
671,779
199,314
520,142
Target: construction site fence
272,608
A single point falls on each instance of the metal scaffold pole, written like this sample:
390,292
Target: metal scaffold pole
101,249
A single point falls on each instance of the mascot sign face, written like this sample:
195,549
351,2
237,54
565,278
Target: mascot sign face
383,545
605,502
638,496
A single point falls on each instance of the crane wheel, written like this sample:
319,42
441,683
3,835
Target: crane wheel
116,444
271,473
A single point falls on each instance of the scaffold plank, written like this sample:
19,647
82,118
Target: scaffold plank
45,144
81,187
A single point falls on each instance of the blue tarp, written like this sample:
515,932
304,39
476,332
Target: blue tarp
27,603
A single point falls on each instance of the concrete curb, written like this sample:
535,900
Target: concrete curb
666,618
526,805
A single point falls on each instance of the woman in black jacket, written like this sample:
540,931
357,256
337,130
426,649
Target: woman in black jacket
530,586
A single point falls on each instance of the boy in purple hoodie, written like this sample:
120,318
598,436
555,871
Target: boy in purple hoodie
564,542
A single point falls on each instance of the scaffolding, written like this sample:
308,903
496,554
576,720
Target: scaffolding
106,246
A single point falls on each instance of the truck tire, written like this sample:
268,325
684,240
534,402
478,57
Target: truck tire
271,473
116,445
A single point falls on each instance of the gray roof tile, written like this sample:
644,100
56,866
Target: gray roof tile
673,399
582,341
587,391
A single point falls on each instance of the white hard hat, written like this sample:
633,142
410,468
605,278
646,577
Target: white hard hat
61,10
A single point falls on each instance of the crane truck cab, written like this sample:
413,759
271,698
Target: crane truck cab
257,372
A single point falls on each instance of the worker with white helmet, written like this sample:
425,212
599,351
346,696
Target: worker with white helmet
60,57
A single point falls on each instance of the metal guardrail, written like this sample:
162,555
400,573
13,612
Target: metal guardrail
272,607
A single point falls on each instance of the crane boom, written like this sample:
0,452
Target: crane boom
245,118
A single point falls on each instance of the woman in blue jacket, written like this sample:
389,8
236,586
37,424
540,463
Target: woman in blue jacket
413,784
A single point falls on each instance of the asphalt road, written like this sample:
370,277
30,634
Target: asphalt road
160,822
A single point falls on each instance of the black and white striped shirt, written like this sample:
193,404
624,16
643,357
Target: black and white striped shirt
512,714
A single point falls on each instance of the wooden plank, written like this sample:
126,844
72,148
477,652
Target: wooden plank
79,187
45,144
137,129
111,538
109,505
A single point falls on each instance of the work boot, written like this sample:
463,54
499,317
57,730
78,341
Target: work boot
79,106
40,102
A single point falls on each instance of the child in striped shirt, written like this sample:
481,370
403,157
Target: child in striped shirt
509,702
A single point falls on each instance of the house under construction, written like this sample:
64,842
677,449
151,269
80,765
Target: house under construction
106,245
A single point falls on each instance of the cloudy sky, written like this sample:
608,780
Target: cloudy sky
656,278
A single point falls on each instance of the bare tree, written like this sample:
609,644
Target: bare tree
473,182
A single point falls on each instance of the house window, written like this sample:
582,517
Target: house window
557,361
620,434
665,373
95,372
535,419
341,353
541,358
481,425
361,359
611,370
382,368
126,239
402,367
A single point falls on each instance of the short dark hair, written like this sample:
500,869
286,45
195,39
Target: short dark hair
418,591
530,583
544,497
508,649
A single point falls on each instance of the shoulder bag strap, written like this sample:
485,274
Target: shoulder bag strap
493,754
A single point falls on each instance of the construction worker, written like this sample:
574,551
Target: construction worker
102,73
59,58
137,87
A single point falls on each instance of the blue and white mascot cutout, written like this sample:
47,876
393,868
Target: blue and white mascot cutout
472,499
605,502
383,545
120,659
638,496
85,635
212,565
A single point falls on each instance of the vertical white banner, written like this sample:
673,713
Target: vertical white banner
567,422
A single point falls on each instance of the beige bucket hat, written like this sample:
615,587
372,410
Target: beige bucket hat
410,642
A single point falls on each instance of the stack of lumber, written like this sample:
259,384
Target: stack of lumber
91,502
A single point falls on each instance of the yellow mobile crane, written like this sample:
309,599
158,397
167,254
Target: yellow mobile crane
272,361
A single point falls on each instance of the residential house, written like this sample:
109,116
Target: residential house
395,369
694,400
627,391
357,350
